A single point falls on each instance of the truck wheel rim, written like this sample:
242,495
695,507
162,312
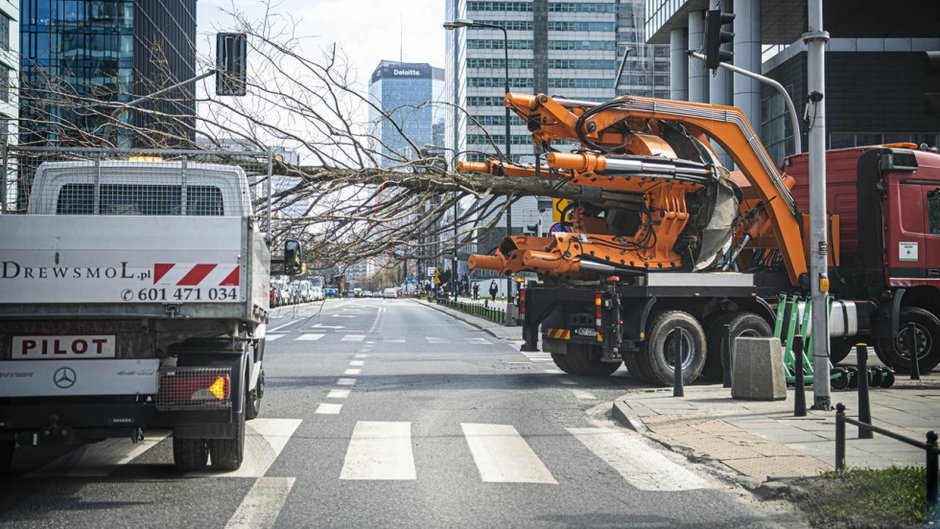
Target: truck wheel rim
686,347
923,338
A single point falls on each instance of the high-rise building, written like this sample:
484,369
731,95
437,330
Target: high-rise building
77,53
875,76
406,93
9,92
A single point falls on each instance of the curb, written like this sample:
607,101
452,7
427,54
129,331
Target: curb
623,413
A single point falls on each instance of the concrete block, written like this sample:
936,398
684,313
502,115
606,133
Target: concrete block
758,370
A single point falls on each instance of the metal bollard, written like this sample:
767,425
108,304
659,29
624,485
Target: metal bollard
799,389
931,470
840,436
677,389
912,350
864,410
727,357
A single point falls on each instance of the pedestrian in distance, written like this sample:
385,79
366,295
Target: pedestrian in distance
476,291
493,289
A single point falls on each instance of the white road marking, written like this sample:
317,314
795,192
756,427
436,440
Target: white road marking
641,465
583,395
353,338
479,341
262,504
310,337
361,356
345,316
503,456
395,339
328,409
568,382
338,393
346,382
379,451
320,326
354,371
361,363
264,441
554,371
98,459
272,337
279,327
435,339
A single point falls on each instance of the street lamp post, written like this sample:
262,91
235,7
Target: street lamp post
464,23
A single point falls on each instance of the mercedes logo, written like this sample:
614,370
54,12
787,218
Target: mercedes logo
64,377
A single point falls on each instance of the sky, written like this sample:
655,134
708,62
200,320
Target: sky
368,31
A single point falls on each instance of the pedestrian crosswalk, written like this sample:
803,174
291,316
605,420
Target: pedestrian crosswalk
389,451
304,336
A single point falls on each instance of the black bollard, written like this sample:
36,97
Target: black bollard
673,344
912,350
840,436
799,388
727,357
864,410
931,468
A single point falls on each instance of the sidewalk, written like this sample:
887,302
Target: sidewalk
495,329
763,440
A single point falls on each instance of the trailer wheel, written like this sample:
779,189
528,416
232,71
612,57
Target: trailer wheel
745,324
7,447
190,454
227,454
894,352
664,327
562,362
253,402
584,360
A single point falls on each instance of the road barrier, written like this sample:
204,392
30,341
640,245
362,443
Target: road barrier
929,448
480,310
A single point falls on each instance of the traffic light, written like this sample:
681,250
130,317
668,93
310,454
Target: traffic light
715,37
231,64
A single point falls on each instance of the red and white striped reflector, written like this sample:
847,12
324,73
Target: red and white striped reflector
196,275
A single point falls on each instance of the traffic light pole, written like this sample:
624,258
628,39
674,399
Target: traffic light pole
794,118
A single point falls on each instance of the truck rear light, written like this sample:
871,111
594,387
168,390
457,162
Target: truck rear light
194,387
598,318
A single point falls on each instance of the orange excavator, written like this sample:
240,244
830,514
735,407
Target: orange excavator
662,201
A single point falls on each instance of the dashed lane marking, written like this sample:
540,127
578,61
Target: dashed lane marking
353,371
353,338
272,337
310,337
357,363
346,382
338,393
328,409
260,508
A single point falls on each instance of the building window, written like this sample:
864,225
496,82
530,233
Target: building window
4,32
5,83
497,44
509,25
593,45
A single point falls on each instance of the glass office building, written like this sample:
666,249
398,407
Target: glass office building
80,55
405,92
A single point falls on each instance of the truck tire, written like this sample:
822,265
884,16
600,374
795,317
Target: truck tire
562,362
653,354
635,367
745,324
7,447
893,352
227,454
253,400
583,361
190,454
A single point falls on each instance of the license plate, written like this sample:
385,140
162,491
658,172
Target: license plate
58,347
585,331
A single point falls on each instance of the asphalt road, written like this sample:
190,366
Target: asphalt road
388,413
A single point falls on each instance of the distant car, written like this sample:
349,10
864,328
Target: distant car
389,293
366,294
350,294
331,292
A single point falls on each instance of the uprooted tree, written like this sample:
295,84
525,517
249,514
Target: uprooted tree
345,194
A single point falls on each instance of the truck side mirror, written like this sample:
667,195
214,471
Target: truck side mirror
293,258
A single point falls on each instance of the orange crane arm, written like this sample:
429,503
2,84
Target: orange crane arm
561,119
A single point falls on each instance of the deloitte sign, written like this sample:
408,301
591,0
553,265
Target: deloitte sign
402,71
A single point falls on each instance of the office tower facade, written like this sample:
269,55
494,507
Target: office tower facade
407,94
80,56
9,91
